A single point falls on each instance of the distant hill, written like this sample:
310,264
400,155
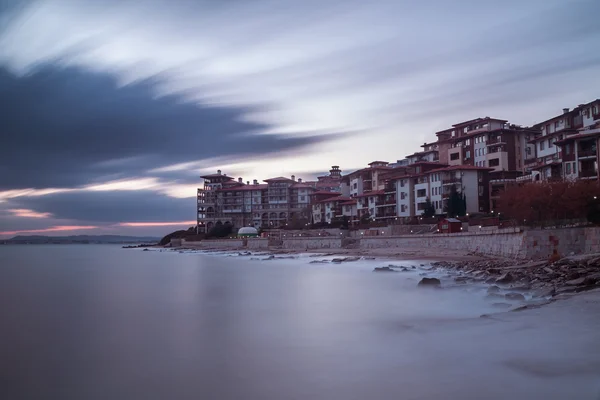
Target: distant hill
80,239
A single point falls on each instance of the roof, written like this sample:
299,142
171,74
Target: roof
378,162
541,137
578,136
373,193
460,168
452,220
243,188
301,185
327,192
478,120
416,153
579,107
279,179
216,176
348,203
335,198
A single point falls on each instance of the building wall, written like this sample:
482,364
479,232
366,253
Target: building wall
454,150
435,187
470,184
407,202
502,163
480,149
419,200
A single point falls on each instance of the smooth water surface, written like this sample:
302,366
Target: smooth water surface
101,322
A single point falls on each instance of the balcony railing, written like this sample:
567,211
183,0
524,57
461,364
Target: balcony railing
586,153
589,173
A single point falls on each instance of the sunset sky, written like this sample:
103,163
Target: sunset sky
110,110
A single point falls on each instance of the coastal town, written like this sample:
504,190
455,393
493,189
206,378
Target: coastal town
463,171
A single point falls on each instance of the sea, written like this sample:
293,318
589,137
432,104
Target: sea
102,322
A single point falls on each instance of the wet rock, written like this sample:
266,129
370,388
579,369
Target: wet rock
490,280
319,262
566,289
269,258
383,269
514,296
345,259
549,291
548,270
575,282
506,278
493,289
461,279
433,282
501,305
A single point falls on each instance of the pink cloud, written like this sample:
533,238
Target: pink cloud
25,213
58,228
150,224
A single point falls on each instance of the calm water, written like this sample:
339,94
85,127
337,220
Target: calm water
100,322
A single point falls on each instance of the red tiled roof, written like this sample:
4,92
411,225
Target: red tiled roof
216,176
278,179
243,188
578,136
479,120
460,168
327,192
348,203
549,135
301,185
416,153
374,193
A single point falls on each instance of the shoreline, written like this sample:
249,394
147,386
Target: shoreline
534,283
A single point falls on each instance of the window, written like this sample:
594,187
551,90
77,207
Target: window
402,195
454,156
542,145
467,142
550,143
421,193
494,162
402,183
402,208
568,149
595,109
574,168
468,154
568,168
557,124
481,190
302,198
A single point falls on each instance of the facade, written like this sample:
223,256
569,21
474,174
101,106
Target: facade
365,180
223,200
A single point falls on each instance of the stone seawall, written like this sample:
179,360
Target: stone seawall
216,244
257,244
312,243
511,242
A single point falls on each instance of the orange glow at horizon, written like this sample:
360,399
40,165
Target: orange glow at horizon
58,228
150,224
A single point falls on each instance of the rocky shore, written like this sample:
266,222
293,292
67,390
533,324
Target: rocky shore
540,279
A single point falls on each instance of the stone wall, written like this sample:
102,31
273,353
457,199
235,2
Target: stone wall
257,244
215,244
312,243
542,243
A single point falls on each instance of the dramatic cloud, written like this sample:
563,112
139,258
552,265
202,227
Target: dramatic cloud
111,110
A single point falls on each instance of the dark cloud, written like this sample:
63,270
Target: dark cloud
66,127
111,207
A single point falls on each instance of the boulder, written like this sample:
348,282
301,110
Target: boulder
576,282
493,289
383,269
433,282
506,278
544,292
514,296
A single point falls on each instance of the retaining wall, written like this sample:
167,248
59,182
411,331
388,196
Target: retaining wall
509,242
221,244
257,243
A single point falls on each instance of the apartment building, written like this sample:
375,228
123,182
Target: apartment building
329,183
565,146
331,209
223,200
485,142
365,180
430,153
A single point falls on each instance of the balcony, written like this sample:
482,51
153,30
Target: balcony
586,153
451,181
588,173
529,161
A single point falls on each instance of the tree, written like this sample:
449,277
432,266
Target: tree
429,209
366,218
220,231
456,204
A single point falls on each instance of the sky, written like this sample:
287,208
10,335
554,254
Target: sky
111,110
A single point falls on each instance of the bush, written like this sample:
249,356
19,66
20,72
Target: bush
220,231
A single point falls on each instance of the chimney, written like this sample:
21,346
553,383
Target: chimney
240,180
247,182
293,177
299,180
219,171
565,110
255,182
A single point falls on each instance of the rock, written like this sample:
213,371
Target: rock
345,259
506,278
514,296
383,269
413,267
319,262
490,280
461,279
575,282
493,271
593,261
434,282
548,270
520,288
565,289
501,305
544,292
493,289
